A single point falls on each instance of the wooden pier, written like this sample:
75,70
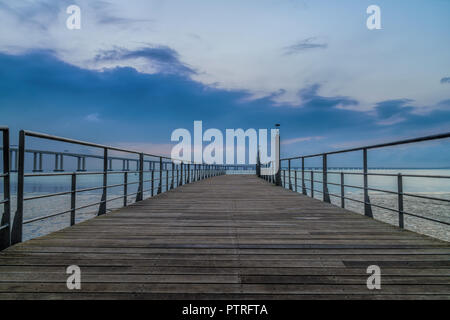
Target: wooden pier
228,237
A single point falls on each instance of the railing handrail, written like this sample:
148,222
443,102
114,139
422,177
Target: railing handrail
375,146
88,144
186,172
288,169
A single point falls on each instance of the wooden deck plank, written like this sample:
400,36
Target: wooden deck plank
228,237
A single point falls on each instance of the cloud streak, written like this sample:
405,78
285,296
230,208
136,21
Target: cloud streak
300,139
445,80
163,58
304,45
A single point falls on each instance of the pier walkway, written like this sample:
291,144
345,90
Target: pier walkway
233,237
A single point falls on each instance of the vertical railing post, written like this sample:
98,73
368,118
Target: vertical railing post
5,239
326,196
289,168
153,183
278,175
172,178
284,178
125,189
295,180
139,195
73,201
160,176
367,206
102,207
56,162
303,177
16,232
17,161
400,200
181,173
342,190
167,179
40,162
188,173
312,183
34,161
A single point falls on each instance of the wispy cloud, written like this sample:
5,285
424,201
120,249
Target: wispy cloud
119,20
93,117
37,14
393,111
300,139
165,59
311,98
108,13
445,80
306,44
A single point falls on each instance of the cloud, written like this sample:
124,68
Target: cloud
40,92
37,14
300,139
106,19
445,80
391,112
165,59
443,104
92,117
306,44
310,98
108,14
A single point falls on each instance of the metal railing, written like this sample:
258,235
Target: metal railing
5,223
81,158
180,173
291,182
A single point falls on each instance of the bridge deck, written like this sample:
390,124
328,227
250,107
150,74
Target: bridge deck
228,237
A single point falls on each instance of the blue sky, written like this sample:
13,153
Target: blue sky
137,70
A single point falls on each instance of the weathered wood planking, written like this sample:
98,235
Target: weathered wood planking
228,237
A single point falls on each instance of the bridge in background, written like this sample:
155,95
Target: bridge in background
212,235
